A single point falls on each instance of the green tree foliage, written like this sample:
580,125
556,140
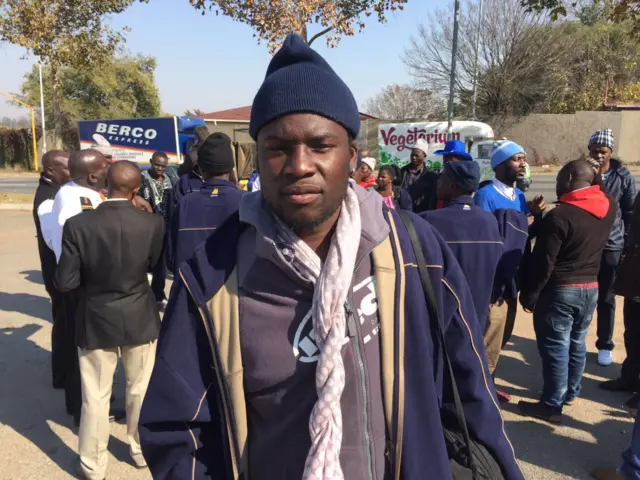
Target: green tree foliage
618,11
123,87
62,33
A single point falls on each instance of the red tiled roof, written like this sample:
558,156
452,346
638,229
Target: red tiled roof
243,114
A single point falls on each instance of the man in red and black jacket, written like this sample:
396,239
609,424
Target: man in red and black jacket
561,288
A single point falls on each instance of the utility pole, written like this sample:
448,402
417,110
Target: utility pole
454,54
44,131
474,95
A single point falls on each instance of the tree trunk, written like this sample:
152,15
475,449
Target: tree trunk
55,107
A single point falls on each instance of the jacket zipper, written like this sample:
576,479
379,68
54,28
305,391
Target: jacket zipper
226,399
354,332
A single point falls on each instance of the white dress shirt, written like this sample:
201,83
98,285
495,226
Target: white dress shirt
67,204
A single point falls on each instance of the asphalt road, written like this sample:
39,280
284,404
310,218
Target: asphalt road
18,184
542,185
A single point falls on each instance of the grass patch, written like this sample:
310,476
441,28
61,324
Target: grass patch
16,197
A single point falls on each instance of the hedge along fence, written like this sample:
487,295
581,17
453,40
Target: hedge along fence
16,148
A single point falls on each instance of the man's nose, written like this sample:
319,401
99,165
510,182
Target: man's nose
300,162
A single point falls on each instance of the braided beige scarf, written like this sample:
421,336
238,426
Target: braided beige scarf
332,283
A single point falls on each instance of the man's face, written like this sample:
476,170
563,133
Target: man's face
450,158
602,155
58,172
417,157
515,167
158,166
304,163
98,179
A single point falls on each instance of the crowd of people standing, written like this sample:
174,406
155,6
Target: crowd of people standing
335,323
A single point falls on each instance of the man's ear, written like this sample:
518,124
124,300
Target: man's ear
353,161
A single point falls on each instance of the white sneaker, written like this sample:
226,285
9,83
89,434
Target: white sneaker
605,358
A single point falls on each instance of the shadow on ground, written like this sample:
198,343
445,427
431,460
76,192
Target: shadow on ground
31,305
545,445
30,415
33,276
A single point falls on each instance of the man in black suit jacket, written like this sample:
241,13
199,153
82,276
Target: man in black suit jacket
106,254
55,173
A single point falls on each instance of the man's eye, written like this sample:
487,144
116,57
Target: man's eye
321,148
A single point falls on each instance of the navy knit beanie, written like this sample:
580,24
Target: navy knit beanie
299,80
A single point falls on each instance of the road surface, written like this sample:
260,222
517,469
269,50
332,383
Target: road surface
18,184
542,185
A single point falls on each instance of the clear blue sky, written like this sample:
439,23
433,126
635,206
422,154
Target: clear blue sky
212,63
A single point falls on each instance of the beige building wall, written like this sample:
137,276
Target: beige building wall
554,138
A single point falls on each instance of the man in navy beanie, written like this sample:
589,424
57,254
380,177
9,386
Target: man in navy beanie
296,343
471,233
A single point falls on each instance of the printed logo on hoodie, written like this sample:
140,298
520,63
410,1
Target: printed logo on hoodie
365,307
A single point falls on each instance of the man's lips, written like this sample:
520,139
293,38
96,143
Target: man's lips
302,194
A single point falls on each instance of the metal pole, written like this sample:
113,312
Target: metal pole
33,136
44,130
474,96
454,52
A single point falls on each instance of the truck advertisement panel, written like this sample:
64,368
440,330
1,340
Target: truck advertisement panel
134,139
396,140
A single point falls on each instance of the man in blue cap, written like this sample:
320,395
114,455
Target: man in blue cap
471,233
296,343
423,191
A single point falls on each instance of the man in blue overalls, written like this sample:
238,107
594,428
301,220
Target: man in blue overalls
199,214
470,232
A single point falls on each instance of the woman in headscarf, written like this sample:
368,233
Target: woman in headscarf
366,178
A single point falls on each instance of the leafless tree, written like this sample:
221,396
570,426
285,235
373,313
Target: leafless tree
404,102
519,55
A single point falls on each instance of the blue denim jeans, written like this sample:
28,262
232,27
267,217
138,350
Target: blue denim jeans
631,457
561,320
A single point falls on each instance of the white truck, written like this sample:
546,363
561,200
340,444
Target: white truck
395,141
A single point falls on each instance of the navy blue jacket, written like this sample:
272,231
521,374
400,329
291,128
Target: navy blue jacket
474,238
190,182
621,185
514,229
198,215
188,431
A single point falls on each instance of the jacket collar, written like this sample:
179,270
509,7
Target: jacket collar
217,183
45,181
254,211
464,200
115,203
